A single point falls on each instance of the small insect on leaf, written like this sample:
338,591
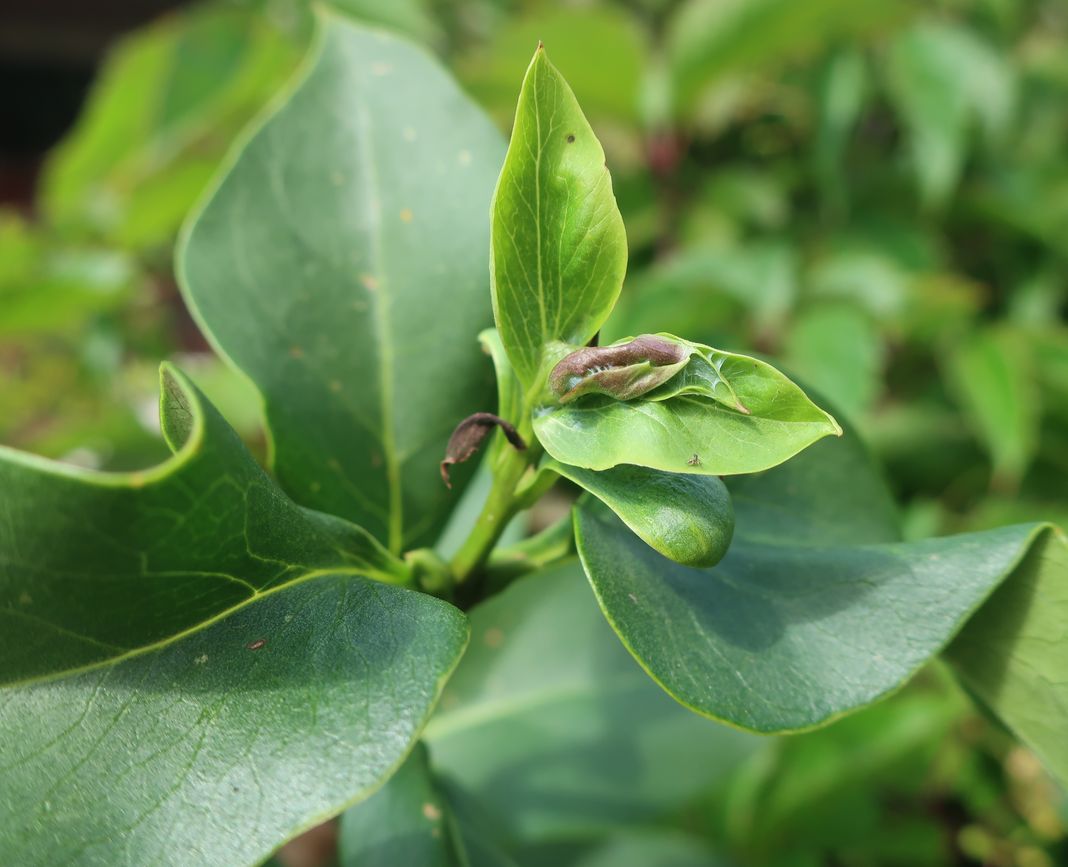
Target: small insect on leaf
257,644
695,461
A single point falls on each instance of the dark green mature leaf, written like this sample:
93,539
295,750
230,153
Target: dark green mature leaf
721,414
687,518
341,264
786,637
549,723
558,247
815,610
1014,653
97,566
413,820
218,748
405,822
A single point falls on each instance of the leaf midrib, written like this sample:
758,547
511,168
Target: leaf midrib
382,330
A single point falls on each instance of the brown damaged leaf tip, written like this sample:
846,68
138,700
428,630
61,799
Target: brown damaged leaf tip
469,435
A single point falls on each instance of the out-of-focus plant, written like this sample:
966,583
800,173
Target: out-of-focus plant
877,192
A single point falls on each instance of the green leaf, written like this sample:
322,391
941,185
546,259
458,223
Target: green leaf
940,77
405,822
1013,654
814,612
838,350
99,566
686,517
217,749
413,820
558,247
787,637
341,264
600,46
550,724
709,40
721,414
991,376
156,125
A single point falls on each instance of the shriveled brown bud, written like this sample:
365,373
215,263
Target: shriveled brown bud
623,371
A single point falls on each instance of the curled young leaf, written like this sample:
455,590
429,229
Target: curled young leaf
718,414
624,370
469,435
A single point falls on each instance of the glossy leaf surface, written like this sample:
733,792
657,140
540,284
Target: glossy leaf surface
721,414
550,725
559,250
124,562
687,518
269,721
341,264
791,629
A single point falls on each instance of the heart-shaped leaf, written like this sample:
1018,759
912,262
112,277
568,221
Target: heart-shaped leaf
559,249
687,518
269,721
721,414
97,566
341,264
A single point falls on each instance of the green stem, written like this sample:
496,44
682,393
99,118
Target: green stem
500,507
552,545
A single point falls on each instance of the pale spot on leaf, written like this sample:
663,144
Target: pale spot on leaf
409,134
296,352
381,69
370,282
493,637
406,215
464,157
25,598
336,386
337,179
200,660
431,812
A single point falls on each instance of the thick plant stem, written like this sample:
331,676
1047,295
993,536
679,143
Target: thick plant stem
500,507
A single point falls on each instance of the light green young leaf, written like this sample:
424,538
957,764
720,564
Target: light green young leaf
721,414
688,518
558,247
341,264
990,375
156,124
270,721
99,566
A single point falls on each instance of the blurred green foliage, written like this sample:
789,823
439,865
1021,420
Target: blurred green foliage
875,191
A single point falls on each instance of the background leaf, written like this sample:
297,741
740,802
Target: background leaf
1013,654
559,249
269,721
555,731
341,264
98,566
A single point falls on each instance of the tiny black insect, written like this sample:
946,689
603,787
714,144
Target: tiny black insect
695,461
